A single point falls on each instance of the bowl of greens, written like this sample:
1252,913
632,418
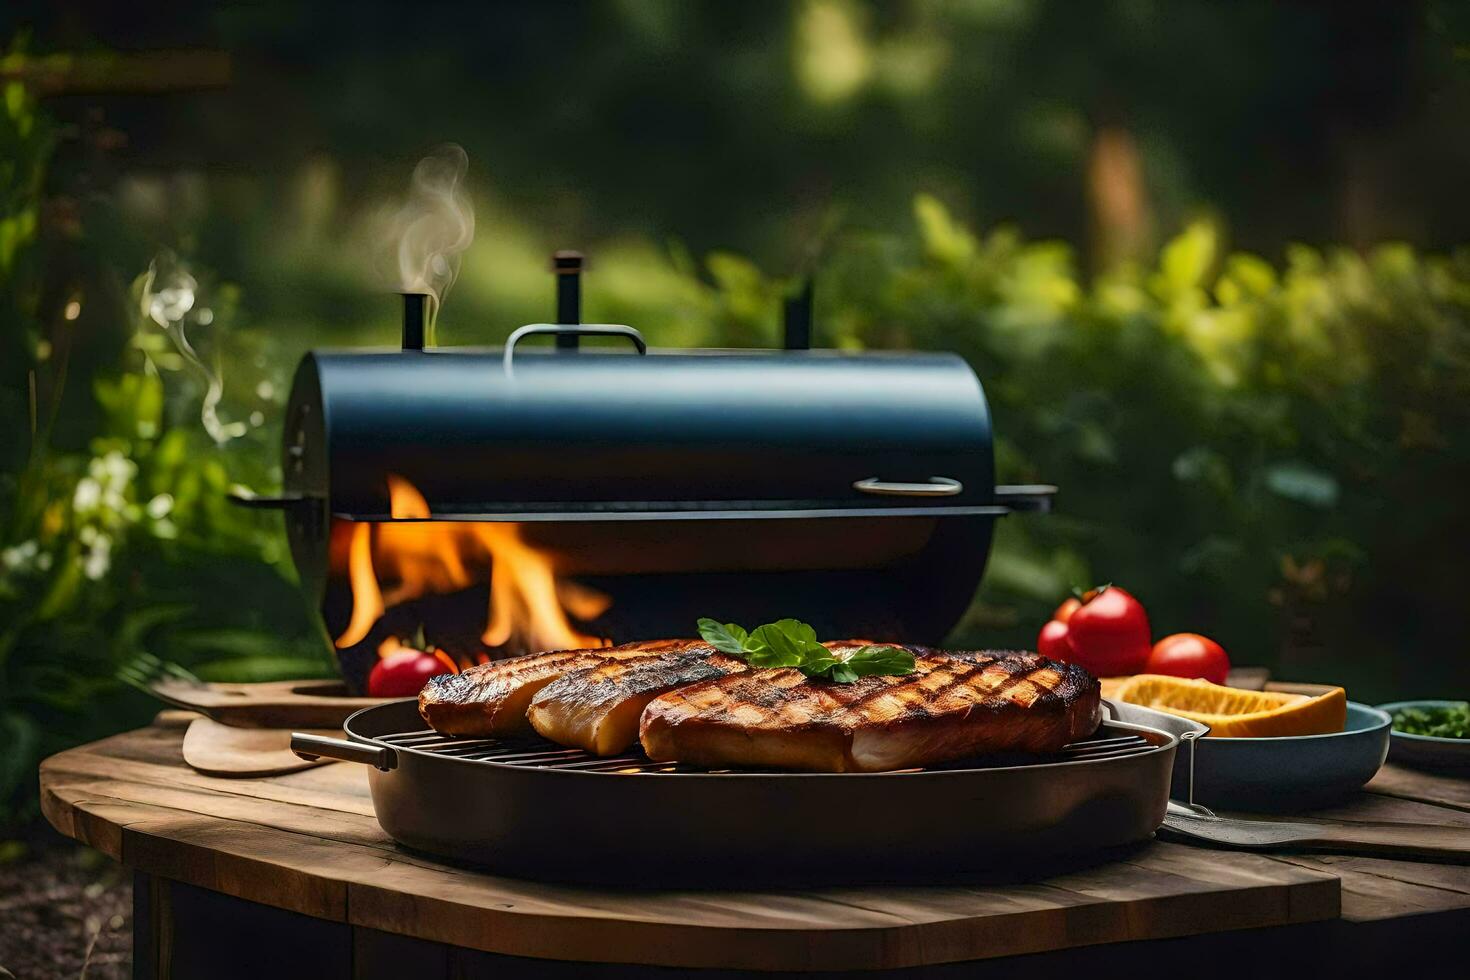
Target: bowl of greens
1430,734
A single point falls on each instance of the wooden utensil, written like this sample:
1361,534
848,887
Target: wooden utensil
222,750
275,704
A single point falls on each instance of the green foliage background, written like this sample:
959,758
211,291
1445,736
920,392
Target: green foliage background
1267,446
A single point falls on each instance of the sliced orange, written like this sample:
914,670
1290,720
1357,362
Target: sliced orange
1234,713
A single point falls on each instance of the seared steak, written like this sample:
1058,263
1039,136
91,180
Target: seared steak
597,708
491,699
953,706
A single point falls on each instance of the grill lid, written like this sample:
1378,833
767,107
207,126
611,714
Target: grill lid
519,435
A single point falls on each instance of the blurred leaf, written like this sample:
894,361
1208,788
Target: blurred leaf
942,237
132,634
20,737
132,403
244,670
1186,260
63,591
1302,483
236,642
1201,464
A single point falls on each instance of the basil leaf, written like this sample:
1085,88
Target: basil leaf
792,643
772,646
817,660
799,632
871,660
724,637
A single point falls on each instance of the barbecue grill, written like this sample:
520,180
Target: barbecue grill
854,490
529,807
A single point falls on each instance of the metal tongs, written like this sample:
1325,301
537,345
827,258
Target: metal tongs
1193,823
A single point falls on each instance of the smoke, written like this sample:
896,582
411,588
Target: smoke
433,227
167,297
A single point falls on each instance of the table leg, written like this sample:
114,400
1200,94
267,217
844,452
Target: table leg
181,932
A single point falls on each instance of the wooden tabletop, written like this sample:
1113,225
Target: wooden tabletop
308,842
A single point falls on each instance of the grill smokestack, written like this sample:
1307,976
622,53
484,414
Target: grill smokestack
799,316
568,268
415,320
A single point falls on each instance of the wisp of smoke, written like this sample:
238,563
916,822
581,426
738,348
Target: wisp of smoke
167,298
433,227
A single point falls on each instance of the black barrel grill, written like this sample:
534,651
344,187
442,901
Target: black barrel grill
853,490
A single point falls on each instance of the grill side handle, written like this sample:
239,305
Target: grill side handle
1030,498
313,747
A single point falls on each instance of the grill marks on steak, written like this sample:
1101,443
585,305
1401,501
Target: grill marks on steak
689,703
491,699
597,708
953,706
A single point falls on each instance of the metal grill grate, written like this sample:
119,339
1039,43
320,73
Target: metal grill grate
538,753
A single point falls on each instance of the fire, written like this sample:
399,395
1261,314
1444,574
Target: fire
421,555
529,600
367,598
526,598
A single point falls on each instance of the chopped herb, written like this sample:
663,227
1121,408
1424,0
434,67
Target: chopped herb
1449,722
792,643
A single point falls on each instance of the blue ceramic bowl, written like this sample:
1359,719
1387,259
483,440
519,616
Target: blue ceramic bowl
1427,751
1294,772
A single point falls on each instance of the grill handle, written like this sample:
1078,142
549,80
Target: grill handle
241,497
313,747
1030,498
570,330
938,486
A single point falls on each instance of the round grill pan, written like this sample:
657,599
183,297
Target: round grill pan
531,808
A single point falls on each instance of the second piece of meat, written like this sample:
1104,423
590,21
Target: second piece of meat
597,708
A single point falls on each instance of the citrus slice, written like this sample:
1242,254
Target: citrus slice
1234,713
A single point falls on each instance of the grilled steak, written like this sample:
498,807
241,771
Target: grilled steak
953,706
597,708
491,699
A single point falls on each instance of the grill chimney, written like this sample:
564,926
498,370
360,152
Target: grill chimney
798,316
567,266
415,320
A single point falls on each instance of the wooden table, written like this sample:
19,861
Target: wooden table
291,875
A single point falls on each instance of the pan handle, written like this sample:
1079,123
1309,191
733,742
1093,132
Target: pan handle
313,747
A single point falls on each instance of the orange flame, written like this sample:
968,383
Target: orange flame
529,601
367,598
425,557
525,601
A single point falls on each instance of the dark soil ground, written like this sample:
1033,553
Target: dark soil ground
65,911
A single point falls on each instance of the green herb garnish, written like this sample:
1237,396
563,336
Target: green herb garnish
1450,722
792,643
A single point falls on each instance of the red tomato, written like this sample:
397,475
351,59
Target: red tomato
1189,655
402,674
1065,610
1053,641
1108,633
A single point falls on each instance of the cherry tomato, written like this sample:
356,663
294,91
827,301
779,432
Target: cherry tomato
1065,610
403,673
1108,633
1189,655
1052,642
